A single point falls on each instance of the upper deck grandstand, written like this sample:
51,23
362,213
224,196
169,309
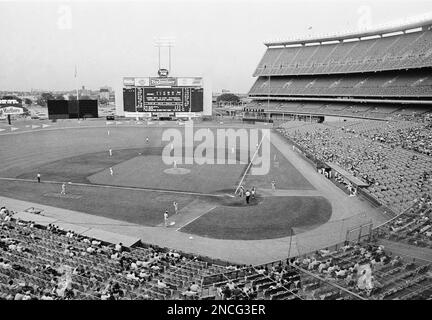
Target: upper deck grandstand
398,48
389,68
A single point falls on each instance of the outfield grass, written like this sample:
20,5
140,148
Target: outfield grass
78,168
149,172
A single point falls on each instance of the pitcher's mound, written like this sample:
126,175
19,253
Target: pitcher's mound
177,171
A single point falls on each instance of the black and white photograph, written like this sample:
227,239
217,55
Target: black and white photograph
215,156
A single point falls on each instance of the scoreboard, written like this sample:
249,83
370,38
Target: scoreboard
163,98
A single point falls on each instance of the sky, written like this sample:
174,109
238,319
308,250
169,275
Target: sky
42,41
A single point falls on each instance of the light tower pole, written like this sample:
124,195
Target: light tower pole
77,88
164,42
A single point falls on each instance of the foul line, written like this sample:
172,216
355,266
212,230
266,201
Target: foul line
117,187
250,163
199,216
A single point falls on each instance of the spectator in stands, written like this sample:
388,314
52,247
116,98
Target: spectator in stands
194,287
119,247
189,293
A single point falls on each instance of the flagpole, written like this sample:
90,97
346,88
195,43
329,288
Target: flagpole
76,81
77,88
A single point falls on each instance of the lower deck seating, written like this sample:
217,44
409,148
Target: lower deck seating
389,156
51,264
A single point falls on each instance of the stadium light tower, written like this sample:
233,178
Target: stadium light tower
164,42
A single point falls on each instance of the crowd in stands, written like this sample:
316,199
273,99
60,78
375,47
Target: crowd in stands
49,263
413,226
406,134
274,281
368,270
365,270
396,176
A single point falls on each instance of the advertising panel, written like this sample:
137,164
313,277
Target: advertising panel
128,81
138,114
186,114
189,82
8,102
169,82
10,110
142,82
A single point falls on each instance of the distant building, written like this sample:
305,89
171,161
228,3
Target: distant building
104,93
107,92
84,92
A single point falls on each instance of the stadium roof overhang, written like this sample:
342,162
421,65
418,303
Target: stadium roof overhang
424,24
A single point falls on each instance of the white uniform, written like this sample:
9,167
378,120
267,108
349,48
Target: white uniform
111,171
63,189
110,152
175,204
166,218
241,191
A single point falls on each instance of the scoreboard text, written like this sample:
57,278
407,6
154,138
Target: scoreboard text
166,99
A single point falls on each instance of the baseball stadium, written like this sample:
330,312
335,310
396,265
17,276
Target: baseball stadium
318,189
